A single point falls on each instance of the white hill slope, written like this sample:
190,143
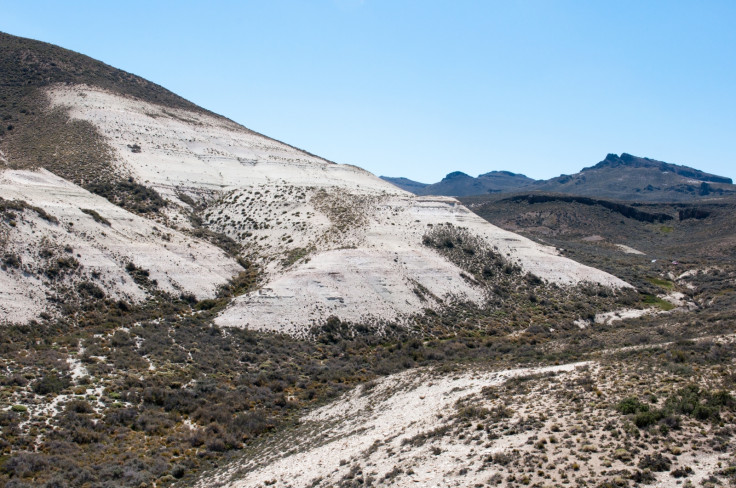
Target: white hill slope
472,427
94,252
333,239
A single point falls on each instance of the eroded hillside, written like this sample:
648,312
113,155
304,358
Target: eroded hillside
574,424
64,247
330,239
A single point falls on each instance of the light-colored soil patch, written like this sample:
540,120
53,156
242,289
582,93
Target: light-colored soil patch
96,252
371,270
179,148
555,426
375,427
629,250
623,314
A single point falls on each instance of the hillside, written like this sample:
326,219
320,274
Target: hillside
406,184
690,229
82,248
562,424
328,239
615,404
634,241
319,232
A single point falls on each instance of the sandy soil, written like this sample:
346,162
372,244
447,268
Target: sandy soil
628,250
375,426
177,262
552,426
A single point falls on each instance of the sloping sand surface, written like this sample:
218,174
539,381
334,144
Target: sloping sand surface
179,264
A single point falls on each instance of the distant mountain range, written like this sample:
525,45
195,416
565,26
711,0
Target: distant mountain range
458,183
624,177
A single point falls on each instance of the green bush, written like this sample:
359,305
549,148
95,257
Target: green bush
51,383
631,405
646,418
691,401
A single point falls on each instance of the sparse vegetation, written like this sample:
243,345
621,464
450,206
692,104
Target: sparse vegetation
9,207
130,195
96,216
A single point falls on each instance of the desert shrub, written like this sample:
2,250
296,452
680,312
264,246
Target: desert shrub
79,406
130,195
251,423
655,462
691,401
140,275
11,260
13,380
682,472
671,421
96,216
90,290
152,422
473,412
206,304
643,477
121,338
295,255
631,405
7,206
220,439
178,471
51,383
121,417
62,265
502,458
186,199
698,403
223,241
646,418
25,464
468,251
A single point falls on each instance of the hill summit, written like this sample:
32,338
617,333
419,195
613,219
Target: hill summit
459,184
629,161
634,178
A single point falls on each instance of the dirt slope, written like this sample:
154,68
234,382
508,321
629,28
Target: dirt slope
571,423
331,239
67,243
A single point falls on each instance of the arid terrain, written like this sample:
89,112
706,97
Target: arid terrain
186,302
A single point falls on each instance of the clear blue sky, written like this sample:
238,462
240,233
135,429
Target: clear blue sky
421,88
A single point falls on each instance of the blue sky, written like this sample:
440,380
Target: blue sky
422,88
